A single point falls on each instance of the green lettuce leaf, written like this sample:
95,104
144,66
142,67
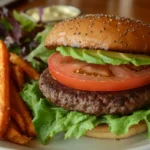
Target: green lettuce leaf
26,23
6,23
120,125
38,56
41,52
50,120
14,48
104,57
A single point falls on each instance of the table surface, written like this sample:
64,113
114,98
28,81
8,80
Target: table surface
139,9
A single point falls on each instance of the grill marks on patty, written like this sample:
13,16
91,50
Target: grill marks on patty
94,103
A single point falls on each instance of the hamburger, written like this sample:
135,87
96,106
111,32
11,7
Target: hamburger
101,67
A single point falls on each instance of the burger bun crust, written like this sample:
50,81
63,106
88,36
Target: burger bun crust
102,131
99,31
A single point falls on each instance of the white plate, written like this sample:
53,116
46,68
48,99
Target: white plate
139,142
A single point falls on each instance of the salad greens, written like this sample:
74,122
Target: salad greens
8,28
4,22
38,55
50,120
40,52
25,37
26,23
15,31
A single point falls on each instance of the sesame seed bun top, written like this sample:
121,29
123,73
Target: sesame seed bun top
99,31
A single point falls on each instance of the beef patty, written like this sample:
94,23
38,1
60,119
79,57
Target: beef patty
94,103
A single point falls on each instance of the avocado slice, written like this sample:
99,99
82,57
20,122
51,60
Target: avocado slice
104,57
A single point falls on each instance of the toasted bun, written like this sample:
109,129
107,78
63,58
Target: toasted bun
102,131
101,32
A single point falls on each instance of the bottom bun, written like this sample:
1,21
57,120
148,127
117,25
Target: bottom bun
102,131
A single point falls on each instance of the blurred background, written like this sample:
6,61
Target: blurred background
139,9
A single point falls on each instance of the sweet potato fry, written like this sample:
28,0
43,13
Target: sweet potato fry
4,89
26,67
15,136
18,76
18,119
20,106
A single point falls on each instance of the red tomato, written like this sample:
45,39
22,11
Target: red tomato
92,77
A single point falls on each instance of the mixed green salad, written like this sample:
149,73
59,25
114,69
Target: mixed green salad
26,39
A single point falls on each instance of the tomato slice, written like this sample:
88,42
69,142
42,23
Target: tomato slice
92,77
